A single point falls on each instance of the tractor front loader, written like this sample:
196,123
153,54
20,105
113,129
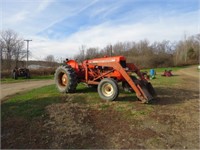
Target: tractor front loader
105,73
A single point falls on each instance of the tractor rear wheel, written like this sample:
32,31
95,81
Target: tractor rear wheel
108,89
65,79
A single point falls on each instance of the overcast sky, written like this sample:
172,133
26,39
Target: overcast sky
60,27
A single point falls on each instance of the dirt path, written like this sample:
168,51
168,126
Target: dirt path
13,88
191,71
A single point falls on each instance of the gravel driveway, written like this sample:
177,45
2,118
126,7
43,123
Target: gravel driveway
9,89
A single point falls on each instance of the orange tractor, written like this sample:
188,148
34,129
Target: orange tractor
105,73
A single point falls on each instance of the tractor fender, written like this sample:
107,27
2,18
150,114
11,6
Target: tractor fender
74,65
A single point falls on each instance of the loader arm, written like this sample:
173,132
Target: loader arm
142,94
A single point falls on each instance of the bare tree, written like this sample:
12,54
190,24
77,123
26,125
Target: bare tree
19,53
81,56
51,60
92,53
11,45
187,50
1,50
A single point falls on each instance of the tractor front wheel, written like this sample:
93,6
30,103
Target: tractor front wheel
108,89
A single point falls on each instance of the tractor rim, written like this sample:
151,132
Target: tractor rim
64,79
107,89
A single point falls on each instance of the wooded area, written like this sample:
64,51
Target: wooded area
146,54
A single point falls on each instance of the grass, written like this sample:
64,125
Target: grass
22,79
165,81
32,104
161,70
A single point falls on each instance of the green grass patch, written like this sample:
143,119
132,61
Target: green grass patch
90,94
161,70
22,79
31,104
165,81
104,106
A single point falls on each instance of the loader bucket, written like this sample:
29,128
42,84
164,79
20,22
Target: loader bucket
147,90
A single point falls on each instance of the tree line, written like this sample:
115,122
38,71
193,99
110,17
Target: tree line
146,54
142,53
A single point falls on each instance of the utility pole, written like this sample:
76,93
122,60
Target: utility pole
111,49
27,52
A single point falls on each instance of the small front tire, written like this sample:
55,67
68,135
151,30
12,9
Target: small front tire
108,89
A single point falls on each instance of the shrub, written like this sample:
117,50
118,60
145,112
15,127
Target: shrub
33,72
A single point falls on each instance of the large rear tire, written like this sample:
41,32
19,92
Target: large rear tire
66,79
108,89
